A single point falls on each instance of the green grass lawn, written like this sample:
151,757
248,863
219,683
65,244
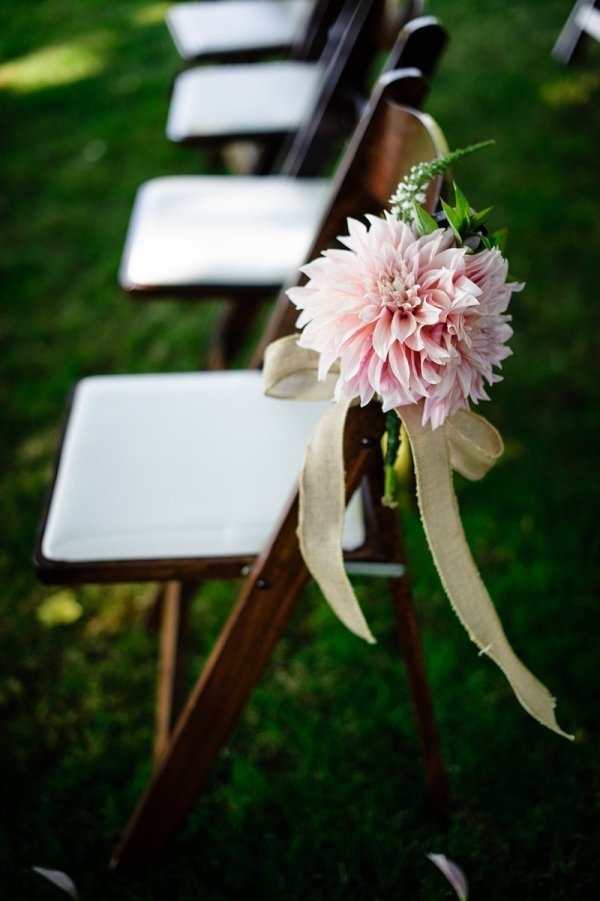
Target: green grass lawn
319,793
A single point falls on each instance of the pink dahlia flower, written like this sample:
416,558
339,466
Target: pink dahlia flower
408,318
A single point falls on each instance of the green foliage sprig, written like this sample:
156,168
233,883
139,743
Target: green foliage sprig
467,224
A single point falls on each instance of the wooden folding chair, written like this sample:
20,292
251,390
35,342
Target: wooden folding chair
583,21
236,28
266,101
148,487
237,238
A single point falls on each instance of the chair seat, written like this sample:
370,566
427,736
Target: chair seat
195,232
209,28
242,101
175,466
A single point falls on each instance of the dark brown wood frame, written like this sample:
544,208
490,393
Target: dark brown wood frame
388,140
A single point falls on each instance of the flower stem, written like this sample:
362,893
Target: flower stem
392,428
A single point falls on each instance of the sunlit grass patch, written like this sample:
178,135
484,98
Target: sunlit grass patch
572,89
55,65
150,14
60,609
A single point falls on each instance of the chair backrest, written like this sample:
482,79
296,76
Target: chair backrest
349,47
311,41
391,137
328,15
419,44
396,12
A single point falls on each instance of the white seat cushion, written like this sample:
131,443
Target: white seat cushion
210,27
238,100
221,230
183,465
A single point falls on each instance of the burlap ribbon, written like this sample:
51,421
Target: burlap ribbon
467,443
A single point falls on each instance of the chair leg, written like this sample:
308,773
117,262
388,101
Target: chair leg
174,617
232,331
238,659
268,155
422,702
252,630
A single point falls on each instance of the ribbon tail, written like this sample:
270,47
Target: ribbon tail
459,575
322,503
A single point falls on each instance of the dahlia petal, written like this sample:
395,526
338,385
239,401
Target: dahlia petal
399,364
402,325
353,353
382,334
430,372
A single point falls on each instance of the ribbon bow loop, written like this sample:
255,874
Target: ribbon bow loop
473,443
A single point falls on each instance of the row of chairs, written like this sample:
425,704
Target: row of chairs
203,30
148,484
270,100
182,228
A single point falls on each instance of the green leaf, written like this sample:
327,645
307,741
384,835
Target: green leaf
462,205
479,218
426,224
422,173
456,222
500,238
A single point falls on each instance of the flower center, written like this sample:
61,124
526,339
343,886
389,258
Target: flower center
398,291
